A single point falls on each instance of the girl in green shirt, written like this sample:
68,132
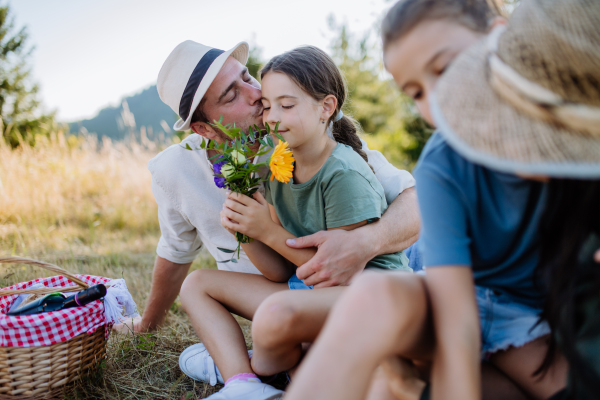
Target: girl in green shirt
332,187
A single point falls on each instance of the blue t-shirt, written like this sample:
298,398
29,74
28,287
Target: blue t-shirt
477,217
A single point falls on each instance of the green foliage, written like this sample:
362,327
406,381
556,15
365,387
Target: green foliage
232,164
255,62
386,115
20,120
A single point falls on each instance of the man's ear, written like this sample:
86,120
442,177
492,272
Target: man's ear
329,105
203,129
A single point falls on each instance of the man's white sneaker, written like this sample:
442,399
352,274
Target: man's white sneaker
196,363
243,390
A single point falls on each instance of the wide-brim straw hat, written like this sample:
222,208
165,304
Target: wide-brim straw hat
527,99
187,74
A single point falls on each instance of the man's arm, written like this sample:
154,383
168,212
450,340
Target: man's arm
343,254
167,278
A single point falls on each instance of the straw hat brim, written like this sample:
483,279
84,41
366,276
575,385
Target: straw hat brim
240,52
487,130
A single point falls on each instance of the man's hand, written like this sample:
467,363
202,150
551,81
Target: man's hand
343,254
340,256
167,278
130,327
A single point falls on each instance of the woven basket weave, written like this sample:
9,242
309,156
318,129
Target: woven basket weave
44,372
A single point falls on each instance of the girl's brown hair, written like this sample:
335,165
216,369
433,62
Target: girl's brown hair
316,74
406,14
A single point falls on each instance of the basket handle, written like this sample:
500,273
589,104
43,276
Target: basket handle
49,267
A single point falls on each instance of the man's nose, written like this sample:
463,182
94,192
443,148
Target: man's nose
254,94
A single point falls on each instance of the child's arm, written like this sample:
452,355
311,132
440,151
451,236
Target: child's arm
276,237
456,364
258,219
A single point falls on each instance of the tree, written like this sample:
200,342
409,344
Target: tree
20,116
388,117
255,62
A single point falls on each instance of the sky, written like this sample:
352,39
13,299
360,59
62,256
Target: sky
89,54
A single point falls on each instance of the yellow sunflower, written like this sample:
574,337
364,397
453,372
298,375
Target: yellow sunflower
281,163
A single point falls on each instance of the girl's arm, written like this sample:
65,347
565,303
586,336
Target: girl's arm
456,364
270,263
258,219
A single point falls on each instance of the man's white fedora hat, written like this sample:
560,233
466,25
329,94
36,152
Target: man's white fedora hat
188,72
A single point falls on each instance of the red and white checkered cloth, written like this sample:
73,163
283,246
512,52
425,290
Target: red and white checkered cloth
51,327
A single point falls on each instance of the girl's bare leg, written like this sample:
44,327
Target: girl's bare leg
209,297
382,389
379,315
520,363
284,321
403,383
403,378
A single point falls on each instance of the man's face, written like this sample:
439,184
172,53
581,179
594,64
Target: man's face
235,95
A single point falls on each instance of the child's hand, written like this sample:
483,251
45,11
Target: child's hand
227,223
246,215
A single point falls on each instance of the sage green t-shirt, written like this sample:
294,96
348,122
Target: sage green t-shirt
344,191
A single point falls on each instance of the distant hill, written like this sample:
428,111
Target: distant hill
143,111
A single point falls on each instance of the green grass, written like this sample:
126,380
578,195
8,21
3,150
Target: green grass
89,209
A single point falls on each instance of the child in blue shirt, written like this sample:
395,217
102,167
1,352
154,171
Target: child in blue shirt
480,213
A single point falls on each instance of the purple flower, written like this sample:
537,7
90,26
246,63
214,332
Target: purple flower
217,166
220,181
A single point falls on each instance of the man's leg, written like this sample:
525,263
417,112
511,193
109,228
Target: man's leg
209,297
284,321
379,315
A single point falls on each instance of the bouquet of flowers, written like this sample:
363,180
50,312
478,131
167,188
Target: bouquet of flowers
233,167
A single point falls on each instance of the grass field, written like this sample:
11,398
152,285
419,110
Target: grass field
88,207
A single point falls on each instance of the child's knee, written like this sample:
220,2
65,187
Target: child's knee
194,284
274,322
393,295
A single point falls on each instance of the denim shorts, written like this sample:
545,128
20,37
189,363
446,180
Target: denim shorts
295,283
506,323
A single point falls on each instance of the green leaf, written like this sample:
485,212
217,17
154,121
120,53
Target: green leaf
233,260
203,144
277,126
226,250
187,146
270,141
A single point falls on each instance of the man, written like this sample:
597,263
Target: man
201,84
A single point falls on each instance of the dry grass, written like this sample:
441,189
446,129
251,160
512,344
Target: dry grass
69,193
88,207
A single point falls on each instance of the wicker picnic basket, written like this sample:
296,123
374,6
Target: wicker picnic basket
44,372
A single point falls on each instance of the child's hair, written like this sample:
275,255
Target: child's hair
316,74
406,14
571,216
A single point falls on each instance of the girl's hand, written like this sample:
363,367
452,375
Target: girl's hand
246,215
227,223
